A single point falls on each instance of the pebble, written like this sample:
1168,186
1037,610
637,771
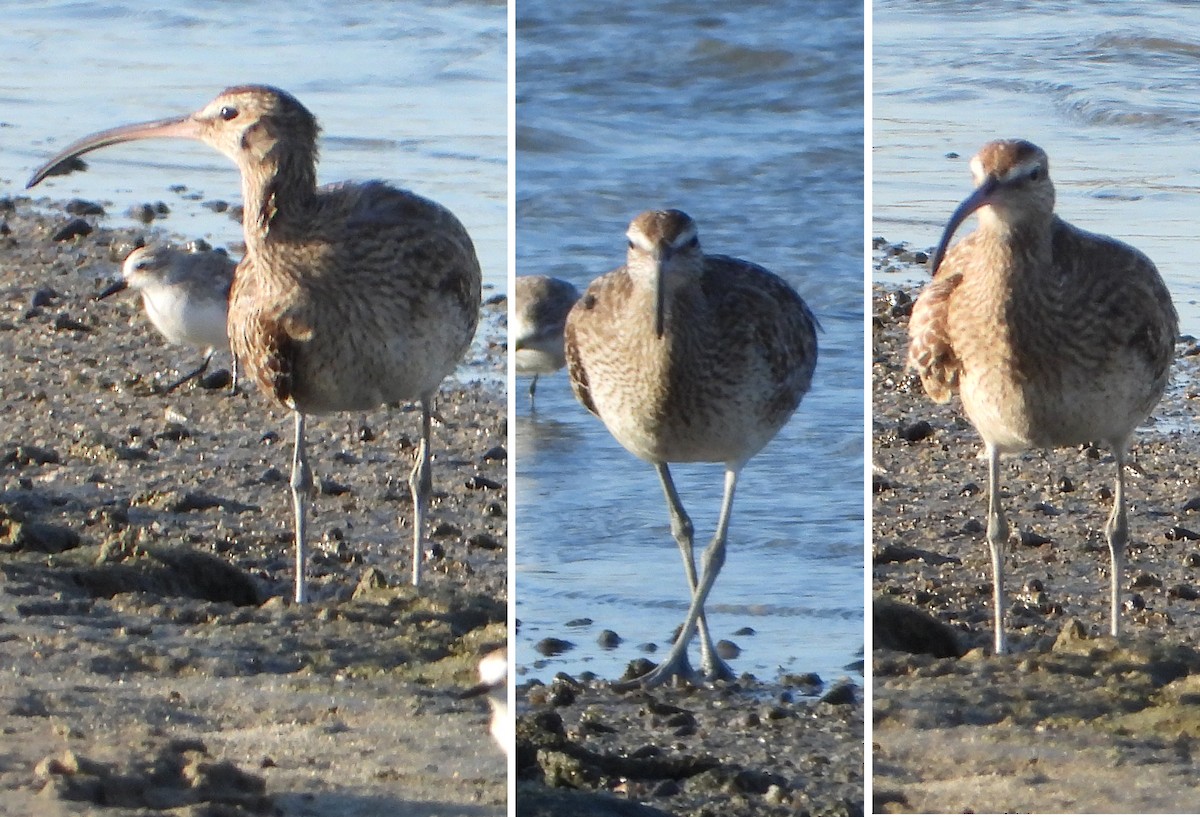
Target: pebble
727,650
551,646
75,228
608,640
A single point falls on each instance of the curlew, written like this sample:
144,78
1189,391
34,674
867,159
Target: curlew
350,296
688,357
186,297
1052,336
540,307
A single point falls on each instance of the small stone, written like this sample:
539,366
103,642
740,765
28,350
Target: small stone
330,487
496,454
1144,580
485,541
1178,533
214,380
915,432
478,483
74,228
42,297
666,788
1032,539
608,640
841,693
727,650
1185,592
82,207
445,529
551,646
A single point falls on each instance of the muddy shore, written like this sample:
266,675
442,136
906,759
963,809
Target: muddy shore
152,661
1071,721
738,749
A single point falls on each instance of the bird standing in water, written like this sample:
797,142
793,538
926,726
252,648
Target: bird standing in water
688,357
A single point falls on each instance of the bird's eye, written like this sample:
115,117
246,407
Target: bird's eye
1035,174
693,242
228,112
631,244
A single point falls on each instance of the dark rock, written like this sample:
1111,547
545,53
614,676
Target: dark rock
608,640
553,646
484,541
75,228
898,626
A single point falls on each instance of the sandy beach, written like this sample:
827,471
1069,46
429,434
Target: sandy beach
153,662
1071,720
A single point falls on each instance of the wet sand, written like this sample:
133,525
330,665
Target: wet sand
152,660
1071,721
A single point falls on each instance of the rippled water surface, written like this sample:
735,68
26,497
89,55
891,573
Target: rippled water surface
411,92
749,117
1108,89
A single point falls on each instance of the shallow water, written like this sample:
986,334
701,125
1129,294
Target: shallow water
751,121
1104,88
411,92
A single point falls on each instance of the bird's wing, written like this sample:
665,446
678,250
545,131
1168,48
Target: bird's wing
575,368
930,352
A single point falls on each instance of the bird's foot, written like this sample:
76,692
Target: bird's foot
675,670
717,670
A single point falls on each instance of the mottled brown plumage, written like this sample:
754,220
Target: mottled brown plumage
688,357
1052,336
349,296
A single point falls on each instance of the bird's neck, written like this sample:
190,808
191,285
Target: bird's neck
277,194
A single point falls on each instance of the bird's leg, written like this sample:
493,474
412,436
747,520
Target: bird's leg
683,531
997,536
1117,532
711,562
199,370
420,482
532,389
236,375
301,491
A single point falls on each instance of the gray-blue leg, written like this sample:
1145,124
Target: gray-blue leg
301,491
1117,533
997,536
711,562
420,482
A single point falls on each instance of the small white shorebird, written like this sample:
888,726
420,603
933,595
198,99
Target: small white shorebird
1052,336
493,682
540,307
185,295
688,357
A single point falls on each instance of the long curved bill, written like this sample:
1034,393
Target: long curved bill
180,127
970,204
660,305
